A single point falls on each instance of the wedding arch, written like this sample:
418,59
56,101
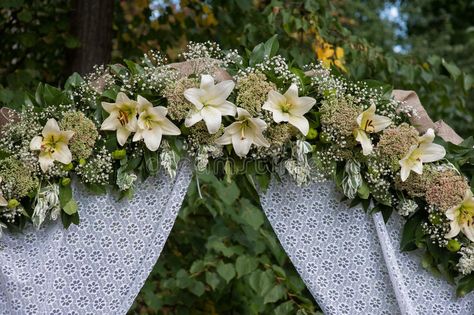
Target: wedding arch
112,155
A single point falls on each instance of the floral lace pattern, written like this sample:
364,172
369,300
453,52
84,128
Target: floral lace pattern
99,266
351,262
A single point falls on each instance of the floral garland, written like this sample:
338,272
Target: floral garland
268,119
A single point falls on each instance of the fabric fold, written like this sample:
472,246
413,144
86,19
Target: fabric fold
99,266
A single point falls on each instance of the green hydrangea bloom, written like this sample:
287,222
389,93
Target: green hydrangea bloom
17,179
85,134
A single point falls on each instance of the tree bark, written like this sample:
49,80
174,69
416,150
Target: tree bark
91,24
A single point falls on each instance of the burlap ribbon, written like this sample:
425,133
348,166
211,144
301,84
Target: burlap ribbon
422,120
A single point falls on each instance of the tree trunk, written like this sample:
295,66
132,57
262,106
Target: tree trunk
91,24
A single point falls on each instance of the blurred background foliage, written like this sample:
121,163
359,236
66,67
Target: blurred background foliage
222,256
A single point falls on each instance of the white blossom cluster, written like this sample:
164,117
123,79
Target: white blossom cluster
466,262
210,50
275,65
97,170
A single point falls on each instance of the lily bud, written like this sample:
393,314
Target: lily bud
453,246
119,154
65,181
13,203
312,134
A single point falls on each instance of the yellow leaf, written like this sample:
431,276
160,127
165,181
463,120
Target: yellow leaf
339,52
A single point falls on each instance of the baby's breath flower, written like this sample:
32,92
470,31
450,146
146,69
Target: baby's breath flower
466,262
85,134
98,169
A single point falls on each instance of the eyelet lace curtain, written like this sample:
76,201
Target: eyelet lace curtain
99,266
349,260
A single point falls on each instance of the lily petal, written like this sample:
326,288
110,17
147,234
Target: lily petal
305,104
122,135
122,98
212,117
428,137
380,122
431,152
299,122
193,118
50,127
168,128
194,96
241,146
364,140
455,229
62,153
207,81
45,160
35,144
152,138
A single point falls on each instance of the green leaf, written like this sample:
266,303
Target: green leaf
271,46
465,285
197,288
245,265
212,279
257,54
70,207
73,81
252,215
197,266
409,237
452,69
364,191
285,308
276,293
226,271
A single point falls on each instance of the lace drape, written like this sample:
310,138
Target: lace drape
99,266
350,260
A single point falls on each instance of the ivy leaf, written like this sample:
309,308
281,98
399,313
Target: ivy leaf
245,265
212,279
276,293
226,271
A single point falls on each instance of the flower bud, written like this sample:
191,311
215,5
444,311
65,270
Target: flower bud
13,203
312,134
119,154
68,167
453,246
65,181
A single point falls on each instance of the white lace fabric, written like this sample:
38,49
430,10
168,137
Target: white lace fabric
351,261
99,266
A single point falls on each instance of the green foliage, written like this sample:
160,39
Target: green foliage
223,257
34,36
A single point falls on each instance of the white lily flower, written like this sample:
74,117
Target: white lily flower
290,107
3,201
243,133
153,124
462,217
424,152
53,145
368,122
123,117
210,102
